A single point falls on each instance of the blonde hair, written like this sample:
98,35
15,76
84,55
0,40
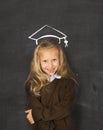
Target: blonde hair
37,78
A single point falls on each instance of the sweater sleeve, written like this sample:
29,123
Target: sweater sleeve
32,102
27,105
64,107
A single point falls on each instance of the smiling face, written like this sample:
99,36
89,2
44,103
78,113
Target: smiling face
49,60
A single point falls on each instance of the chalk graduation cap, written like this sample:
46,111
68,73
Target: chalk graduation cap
46,32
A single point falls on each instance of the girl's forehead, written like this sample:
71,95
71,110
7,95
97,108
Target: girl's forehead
50,52
43,49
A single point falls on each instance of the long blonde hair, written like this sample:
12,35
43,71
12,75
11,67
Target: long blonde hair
37,78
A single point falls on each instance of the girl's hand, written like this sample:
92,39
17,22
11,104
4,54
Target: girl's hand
29,116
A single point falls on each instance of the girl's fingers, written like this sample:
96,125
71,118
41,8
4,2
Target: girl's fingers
30,119
27,111
29,116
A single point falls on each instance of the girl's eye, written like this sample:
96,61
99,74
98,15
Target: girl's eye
54,59
44,61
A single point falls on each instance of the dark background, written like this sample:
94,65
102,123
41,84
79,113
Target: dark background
82,21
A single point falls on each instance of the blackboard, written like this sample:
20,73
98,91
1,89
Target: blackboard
82,21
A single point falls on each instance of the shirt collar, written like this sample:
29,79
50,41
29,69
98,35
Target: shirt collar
55,76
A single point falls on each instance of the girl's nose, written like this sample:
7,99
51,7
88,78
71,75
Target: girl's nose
50,64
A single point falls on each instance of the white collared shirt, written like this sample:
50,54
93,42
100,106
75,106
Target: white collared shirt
55,76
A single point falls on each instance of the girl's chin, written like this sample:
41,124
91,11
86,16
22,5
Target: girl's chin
50,74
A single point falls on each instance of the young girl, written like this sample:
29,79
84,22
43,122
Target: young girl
50,88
